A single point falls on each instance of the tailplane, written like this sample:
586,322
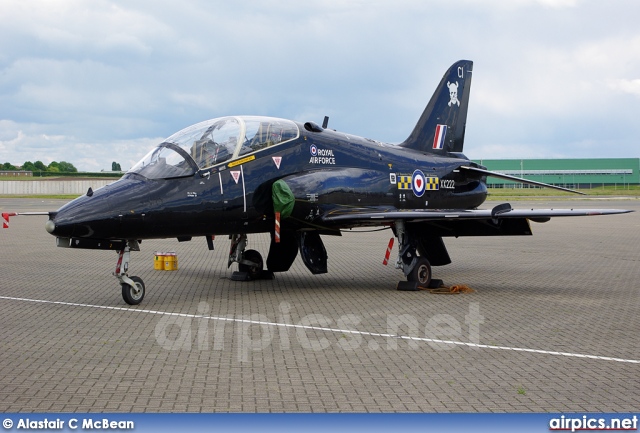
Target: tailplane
441,127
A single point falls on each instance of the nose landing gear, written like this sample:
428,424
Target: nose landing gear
133,288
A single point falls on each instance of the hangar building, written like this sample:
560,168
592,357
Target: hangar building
569,173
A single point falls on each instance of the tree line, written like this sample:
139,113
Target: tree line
53,167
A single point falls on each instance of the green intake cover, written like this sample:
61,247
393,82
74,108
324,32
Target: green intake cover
283,199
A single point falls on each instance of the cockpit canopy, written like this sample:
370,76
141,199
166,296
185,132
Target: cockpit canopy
212,142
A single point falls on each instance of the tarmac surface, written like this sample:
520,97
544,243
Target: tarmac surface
553,325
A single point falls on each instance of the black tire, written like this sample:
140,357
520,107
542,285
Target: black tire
133,295
421,273
253,271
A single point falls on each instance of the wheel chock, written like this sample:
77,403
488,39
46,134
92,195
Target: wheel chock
407,286
240,276
435,284
412,286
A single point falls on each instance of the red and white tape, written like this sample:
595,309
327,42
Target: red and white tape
277,229
5,219
388,253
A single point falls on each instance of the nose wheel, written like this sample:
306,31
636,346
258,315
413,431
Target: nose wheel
133,293
132,287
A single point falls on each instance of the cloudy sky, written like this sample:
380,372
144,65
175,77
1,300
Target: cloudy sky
91,82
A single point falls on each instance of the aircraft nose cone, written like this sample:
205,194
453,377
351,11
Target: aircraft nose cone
50,226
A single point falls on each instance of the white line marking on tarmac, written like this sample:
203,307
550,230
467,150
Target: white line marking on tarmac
335,330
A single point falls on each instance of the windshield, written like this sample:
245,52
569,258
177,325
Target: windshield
218,140
163,162
213,142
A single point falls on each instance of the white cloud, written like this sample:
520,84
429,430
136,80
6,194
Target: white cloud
558,3
625,86
26,142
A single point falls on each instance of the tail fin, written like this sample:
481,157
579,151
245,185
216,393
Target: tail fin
441,127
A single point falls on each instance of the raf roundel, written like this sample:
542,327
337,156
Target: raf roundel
314,150
418,183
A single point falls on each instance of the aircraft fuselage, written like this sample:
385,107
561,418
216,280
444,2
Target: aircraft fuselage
325,170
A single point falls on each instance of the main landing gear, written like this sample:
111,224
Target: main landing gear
250,263
132,287
417,269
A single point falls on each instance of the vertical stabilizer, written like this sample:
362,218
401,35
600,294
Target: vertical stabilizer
441,127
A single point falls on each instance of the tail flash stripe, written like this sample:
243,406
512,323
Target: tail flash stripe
438,139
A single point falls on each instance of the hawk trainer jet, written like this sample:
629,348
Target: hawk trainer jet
241,175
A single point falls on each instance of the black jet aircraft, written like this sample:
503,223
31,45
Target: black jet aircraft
240,175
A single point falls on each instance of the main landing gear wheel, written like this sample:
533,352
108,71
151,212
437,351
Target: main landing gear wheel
421,273
133,295
254,272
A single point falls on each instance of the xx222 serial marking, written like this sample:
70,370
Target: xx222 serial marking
447,183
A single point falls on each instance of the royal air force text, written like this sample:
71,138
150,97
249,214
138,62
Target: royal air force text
325,156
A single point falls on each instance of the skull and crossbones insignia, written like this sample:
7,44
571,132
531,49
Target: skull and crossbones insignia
453,93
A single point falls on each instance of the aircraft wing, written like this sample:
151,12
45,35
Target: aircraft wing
501,220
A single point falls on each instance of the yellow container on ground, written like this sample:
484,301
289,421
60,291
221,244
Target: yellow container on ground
170,261
158,261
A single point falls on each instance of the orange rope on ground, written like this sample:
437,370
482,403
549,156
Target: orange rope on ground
453,290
